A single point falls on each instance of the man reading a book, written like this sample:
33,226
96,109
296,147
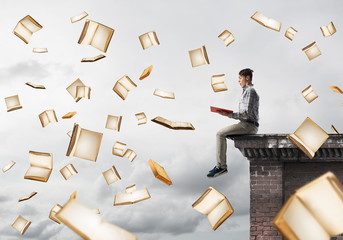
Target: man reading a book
247,115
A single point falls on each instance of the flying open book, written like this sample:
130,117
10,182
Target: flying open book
335,89
84,143
40,50
123,86
227,37
148,39
40,166
290,32
215,205
216,110
159,172
78,17
53,211
21,224
130,154
12,103
37,86
173,125
26,27
68,171
312,51
141,118
69,115
96,35
266,21
309,94
8,166
164,94
93,59
217,83
118,149
27,197
198,56
72,89
88,224
314,211
48,116
111,175
309,137
83,92
131,196
113,122
146,72
328,30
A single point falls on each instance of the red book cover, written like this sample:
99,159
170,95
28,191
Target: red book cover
216,109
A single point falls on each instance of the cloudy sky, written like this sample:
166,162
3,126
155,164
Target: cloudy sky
282,71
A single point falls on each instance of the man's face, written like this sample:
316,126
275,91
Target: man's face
243,81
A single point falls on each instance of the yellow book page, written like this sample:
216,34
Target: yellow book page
209,202
72,87
123,198
130,189
127,83
37,172
102,37
294,139
161,173
219,87
325,202
21,224
145,41
81,219
27,197
12,102
164,121
111,175
121,90
39,159
30,24
182,125
8,166
140,195
25,33
303,224
197,57
311,135
53,212
88,144
88,32
215,217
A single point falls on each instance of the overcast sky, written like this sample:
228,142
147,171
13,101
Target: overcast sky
282,71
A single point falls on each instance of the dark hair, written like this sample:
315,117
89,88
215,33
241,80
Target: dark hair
246,72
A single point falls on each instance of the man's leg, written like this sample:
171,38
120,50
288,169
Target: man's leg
235,129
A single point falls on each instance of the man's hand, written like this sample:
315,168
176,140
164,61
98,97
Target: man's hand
224,113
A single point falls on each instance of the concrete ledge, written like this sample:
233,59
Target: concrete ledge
276,147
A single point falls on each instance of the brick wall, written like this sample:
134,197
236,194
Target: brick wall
277,168
272,183
266,198
298,174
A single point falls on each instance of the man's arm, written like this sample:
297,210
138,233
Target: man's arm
225,113
246,105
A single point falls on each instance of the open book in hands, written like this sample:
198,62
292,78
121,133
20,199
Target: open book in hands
221,111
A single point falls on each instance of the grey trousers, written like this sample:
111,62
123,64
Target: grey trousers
236,129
